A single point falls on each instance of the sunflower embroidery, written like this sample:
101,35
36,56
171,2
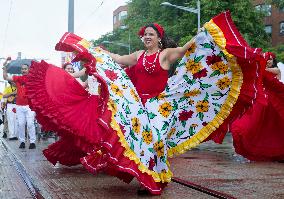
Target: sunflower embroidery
190,50
112,105
136,125
190,102
191,93
99,60
124,86
171,133
98,49
147,136
164,172
159,148
161,96
193,67
202,106
223,83
221,67
165,109
116,90
134,95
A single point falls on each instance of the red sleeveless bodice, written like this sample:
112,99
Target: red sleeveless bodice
149,79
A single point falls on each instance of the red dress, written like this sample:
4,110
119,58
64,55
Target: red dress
149,79
259,133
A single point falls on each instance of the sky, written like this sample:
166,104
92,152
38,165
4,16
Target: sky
33,27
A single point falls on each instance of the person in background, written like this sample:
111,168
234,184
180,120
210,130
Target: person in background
24,114
4,118
10,93
258,135
271,65
68,67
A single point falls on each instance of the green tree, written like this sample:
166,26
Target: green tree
181,25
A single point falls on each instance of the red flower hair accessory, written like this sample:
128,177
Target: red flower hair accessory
157,26
269,55
141,31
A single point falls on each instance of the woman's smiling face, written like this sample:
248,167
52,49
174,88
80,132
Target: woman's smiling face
151,38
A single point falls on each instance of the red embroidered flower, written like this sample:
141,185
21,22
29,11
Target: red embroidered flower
184,115
14,110
201,73
204,123
122,129
151,164
111,75
213,59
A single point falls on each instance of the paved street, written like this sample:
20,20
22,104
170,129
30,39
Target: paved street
26,173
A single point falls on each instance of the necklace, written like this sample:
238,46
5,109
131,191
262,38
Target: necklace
150,67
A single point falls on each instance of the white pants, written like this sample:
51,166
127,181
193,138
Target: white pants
12,120
26,116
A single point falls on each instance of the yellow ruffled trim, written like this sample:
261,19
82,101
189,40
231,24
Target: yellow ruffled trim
237,80
158,177
85,43
218,36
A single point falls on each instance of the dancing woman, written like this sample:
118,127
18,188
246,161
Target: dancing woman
133,127
258,135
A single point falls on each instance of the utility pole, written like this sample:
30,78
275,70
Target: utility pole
71,16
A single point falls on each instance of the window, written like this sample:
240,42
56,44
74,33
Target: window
123,27
122,15
114,19
268,29
281,31
266,8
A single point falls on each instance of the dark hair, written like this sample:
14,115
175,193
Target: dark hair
274,64
25,65
165,40
66,64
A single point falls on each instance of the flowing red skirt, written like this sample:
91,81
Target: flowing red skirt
259,134
82,122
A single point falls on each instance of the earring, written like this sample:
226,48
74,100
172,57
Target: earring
161,45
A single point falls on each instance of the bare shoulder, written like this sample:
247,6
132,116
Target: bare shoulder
139,53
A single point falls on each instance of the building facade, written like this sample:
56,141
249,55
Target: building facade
274,21
118,16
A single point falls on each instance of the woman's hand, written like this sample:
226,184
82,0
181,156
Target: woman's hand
275,71
8,59
89,61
